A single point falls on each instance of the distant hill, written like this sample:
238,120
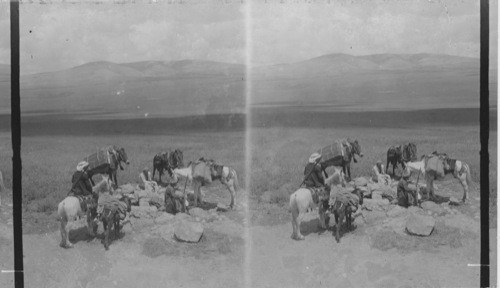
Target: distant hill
151,88
373,82
334,82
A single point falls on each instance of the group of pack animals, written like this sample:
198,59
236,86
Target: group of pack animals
304,199
71,208
300,201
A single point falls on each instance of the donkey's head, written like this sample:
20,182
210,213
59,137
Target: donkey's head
356,147
122,155
177,159
409,152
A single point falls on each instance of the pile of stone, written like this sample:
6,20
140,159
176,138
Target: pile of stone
380,206
147,212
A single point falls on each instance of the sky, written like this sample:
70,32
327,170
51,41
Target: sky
59,35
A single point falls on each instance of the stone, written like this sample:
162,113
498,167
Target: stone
134,200
420,225
433,207
222,207
156,201
375,204
376,195
125,189
397,211
187,231
141,193
454,201
360,181
164,218
144,202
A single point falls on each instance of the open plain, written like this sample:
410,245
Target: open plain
249,246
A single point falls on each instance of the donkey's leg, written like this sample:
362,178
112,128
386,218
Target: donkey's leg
430,185
295,214
64,233
90,224
196,188
107,226
117,225
321,212
230,187
298,220
463,180
114,177
338,220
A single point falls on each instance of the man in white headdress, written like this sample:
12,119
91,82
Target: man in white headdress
81,181
313,174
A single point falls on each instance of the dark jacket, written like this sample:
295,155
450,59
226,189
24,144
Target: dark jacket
406,195
81,184
315,178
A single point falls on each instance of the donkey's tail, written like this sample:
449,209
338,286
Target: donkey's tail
61,211
468,177
293,203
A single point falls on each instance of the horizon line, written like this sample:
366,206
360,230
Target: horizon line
243,64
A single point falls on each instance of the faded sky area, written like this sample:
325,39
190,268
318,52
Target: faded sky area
62,35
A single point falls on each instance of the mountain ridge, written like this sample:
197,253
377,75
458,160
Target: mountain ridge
197,87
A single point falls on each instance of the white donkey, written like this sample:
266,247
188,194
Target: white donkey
459,169
225,174
302,199
70,209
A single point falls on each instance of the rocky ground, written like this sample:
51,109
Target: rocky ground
250,246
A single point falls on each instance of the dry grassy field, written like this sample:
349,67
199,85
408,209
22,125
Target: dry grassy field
257,231
279,153
49,162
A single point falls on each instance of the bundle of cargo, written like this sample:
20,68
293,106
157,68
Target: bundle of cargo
202,171
334,153
103,156
434,165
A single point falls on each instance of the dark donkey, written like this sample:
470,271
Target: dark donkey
167,161
111,219
344,209
117,156
351,148
397,155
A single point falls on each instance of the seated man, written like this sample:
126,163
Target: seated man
149,184
81,181
313,174
407,196
378,174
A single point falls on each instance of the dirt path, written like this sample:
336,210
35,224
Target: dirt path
233,253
